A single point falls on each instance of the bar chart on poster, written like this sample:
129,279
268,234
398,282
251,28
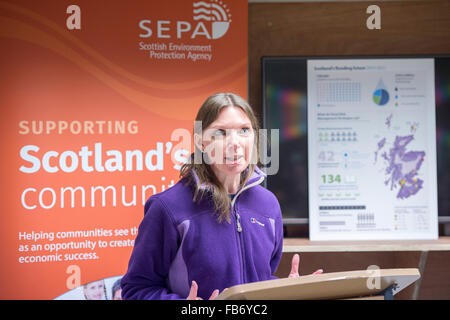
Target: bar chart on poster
372,149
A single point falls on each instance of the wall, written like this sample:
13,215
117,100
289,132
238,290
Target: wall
323,28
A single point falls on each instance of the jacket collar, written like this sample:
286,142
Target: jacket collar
256,178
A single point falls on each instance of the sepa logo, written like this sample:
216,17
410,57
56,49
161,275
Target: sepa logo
211,20
216,13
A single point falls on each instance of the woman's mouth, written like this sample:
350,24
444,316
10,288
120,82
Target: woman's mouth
234,159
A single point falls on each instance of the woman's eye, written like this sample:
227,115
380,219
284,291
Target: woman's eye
219,132
245,130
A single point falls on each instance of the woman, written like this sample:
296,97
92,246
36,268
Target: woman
215,228
95,290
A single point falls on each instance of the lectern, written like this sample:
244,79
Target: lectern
360,284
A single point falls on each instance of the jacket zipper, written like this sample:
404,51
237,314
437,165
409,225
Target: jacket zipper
239,227
239,240
238,220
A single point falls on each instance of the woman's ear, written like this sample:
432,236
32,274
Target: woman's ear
198,142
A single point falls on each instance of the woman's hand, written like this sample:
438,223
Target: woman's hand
294,267
193,293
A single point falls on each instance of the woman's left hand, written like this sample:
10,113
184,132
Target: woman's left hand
294,267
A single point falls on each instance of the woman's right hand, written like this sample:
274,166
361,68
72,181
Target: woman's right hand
294,267
193,293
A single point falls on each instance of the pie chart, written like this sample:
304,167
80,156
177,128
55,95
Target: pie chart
380,97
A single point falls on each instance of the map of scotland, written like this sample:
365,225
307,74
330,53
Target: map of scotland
401,166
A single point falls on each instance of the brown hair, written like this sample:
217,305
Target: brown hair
208,113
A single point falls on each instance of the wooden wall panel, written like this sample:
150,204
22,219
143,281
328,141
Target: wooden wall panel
436,277
323,28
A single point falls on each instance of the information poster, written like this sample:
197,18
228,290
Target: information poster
97,103
372,149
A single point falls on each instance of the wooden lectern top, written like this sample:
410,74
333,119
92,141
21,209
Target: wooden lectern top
336,285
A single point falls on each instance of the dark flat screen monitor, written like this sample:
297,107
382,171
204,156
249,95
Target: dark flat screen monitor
284,97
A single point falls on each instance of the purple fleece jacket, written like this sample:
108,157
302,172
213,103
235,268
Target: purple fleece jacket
180,241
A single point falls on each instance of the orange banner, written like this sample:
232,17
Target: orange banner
91,96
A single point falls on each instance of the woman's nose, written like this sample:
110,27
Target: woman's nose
232,139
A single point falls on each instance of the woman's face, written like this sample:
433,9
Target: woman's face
229,142
94,290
